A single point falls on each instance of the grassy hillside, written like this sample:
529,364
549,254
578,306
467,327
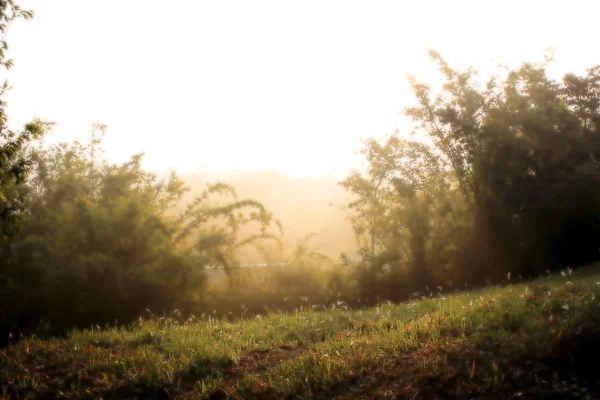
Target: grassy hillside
528,340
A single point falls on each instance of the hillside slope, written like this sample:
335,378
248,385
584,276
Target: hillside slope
529,340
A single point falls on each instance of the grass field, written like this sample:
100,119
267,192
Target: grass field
538,339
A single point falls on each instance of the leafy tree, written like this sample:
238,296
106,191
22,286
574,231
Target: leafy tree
505,182
104,241
523,151
14,165
213,221
372,193
403,196
9,11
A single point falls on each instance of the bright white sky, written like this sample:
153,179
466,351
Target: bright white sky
286,85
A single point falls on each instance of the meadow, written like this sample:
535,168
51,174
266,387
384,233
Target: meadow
459,259
534,339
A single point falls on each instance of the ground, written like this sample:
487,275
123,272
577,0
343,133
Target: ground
536,339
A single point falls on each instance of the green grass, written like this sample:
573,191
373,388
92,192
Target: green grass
507,340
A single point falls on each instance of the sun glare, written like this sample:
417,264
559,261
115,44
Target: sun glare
258,85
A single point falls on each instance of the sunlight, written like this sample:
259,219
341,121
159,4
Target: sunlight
267,199
261,85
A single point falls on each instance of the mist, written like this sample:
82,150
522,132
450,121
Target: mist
299,201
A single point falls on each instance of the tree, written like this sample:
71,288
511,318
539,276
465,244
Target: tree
104,241
404,194
213,221
506,182
14,165
523,151
372,193
9,11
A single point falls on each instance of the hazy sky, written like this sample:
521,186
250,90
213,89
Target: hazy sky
287,85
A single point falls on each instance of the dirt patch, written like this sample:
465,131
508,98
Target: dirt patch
259,360
468,372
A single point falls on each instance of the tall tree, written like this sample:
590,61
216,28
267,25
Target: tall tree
14,165
372,193
102,241
523,150
404,194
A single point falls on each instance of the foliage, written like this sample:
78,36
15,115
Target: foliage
102,242
524,153
218,244
505,182
304,279
9,11
404,205
14,166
